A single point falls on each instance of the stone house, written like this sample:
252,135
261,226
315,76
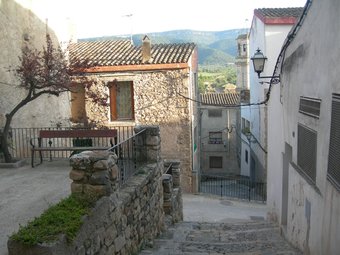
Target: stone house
304,135
218,134
268,31
144,85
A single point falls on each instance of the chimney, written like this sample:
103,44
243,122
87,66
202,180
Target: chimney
146,50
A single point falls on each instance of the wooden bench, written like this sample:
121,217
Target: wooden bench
75,145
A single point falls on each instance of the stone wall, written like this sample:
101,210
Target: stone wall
172,194
125,221
19,26
156,102
125,217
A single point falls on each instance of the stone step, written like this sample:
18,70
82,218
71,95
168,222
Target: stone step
248,238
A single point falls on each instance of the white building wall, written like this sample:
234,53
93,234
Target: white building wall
312,220
269,39
16,24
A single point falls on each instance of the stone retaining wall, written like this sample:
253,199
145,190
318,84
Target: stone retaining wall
172,193
125,218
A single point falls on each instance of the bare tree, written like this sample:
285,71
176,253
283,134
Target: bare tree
42,72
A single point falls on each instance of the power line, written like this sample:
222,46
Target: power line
226,105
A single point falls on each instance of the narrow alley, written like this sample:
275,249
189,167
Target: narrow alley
219,226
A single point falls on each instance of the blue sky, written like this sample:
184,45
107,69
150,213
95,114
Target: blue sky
110,17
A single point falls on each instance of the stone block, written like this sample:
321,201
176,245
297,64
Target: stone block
101,165
100,178
167,183
114,172
153,140
97,190
119,243
110,235
153,155
77,187
167,196
77,175
81,162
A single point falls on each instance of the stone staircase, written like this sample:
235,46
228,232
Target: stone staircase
243,237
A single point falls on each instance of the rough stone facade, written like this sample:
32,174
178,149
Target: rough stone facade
18,26
156,102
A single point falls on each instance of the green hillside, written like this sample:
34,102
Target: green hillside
215,48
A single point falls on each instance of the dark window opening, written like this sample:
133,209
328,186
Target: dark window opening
306,152
215,113
215,162
215,138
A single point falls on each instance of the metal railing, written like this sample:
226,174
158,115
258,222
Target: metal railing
129,152
168,168
233,187
21,148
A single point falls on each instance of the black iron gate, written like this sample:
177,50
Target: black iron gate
233,187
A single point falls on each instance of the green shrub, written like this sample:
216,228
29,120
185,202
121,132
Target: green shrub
62,218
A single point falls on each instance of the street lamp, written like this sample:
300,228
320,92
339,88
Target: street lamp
259,61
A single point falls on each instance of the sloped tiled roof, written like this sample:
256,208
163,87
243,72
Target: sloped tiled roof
281,12
278,15
122,52
220,98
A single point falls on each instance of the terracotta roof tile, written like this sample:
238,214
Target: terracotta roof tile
281,12
122,52
279,15
220,99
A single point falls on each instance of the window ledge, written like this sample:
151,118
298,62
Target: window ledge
334,183
122,123
306,178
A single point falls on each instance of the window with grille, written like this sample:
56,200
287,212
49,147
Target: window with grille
310,106
333,171
215,137
215,113
121,100
215,162
306,152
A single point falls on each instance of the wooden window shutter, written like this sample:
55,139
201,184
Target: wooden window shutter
113,100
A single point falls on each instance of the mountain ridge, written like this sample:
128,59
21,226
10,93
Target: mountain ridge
215,48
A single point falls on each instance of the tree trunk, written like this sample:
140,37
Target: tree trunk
5,138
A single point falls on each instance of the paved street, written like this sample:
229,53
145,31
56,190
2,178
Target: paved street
214,225
203,238
26,192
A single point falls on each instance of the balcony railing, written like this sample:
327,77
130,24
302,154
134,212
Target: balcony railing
128,154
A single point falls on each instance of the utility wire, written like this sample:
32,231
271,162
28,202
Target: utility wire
223,105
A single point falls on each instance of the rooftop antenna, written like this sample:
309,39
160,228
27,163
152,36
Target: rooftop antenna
130,17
